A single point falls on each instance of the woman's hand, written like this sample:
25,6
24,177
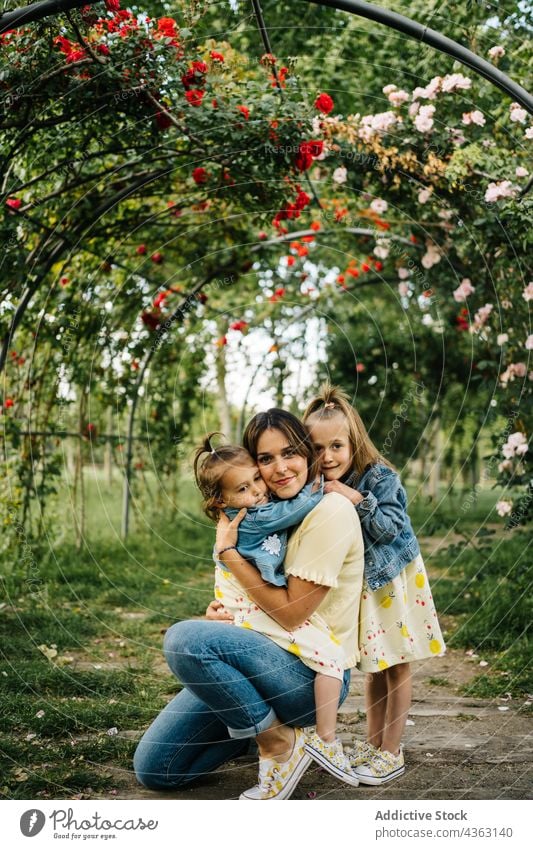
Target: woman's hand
216,612
228,532
351,494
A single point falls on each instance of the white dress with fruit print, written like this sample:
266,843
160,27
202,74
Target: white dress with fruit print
313,641
398,623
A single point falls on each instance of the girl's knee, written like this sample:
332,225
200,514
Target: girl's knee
398,672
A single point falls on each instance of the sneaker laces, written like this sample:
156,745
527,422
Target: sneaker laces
267,771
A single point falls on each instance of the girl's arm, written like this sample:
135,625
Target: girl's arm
280,515
290,605
382,510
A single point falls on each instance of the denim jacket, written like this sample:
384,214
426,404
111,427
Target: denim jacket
263,531
390,543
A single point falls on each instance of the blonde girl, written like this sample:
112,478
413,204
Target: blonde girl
397,618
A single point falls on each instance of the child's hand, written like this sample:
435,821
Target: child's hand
349,493
316,485
216,612
228,532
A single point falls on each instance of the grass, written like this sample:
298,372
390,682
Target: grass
77,660
83,657
488,589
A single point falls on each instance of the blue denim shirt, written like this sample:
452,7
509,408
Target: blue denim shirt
390,543
263,531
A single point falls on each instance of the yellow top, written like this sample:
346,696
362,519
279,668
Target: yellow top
327,548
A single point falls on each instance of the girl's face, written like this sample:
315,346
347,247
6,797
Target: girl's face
331,439
282,469
243,486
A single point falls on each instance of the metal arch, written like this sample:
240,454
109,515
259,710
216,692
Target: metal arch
435,39
420,32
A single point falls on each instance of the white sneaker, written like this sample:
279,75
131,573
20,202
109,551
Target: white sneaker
382,767
332,757
360,753
279,780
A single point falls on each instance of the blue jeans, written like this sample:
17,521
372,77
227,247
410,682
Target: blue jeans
237,682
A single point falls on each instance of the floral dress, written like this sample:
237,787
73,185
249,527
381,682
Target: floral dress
398,622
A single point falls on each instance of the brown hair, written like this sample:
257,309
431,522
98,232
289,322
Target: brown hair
332,401
291,427
210,470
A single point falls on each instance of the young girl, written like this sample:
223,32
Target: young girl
229,480
397,618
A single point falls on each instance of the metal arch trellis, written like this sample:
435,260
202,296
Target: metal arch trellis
46,8
411,28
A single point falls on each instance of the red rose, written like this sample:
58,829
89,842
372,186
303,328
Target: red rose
13,203
290,261
194,96
200,176
216,57
150,319
324,103
76,56
163,120
141,250
157,257
238,325
8,402
279,293
112,5
103,49
262,235
245,111
302,199
307,151
160,299
378,266
365,266
188,78
167,27
200,68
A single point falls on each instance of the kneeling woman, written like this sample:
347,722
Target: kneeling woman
238,683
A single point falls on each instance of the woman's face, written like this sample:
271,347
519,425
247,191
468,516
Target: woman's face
283,470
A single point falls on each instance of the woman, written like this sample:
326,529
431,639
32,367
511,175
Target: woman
238,683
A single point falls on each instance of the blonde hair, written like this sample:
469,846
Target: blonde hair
210,470
332,401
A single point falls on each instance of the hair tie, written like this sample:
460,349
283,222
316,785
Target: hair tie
329,404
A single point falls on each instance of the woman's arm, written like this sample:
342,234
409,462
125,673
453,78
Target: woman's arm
290,605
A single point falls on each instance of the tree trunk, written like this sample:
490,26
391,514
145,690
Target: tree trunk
224,410
108,450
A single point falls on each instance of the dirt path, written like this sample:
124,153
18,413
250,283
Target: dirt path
456,748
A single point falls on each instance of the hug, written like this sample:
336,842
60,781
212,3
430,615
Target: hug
317,571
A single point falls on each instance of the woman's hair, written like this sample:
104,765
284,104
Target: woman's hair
210,466
331,401
291,427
